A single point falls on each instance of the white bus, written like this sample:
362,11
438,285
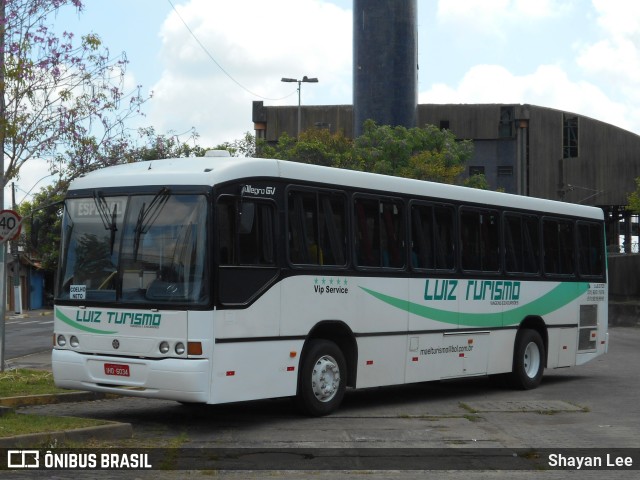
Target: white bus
213,280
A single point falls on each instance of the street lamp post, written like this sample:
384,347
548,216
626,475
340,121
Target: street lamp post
305,79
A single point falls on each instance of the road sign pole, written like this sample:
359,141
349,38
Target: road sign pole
3,301
10,225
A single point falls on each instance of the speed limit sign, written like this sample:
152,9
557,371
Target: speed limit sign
9,224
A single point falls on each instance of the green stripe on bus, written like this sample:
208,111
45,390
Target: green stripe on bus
557,298
61,316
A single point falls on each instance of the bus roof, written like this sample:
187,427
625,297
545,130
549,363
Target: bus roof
210,171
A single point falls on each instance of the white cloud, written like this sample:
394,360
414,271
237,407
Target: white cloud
34,175
620,17
491,16
257,43
598,77
549,86
614,58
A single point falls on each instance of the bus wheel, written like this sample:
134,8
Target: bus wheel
322,380
528,360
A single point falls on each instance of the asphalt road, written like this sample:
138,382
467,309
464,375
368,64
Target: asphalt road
30,332
593,407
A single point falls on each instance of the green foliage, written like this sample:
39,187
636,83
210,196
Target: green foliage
477,181
634,198
243,147
315,146
42,224
154,146
422,153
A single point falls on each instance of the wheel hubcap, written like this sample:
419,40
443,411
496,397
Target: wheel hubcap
532,360
325,378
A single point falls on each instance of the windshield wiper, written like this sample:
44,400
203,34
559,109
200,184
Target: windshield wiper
147,217
107,216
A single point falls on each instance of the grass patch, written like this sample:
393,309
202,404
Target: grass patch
25,382
15,383
21,424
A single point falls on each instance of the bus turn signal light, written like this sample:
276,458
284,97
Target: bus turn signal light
194,348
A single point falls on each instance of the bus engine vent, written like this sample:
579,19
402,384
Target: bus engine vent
588,329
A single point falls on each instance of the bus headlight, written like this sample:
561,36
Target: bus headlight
180,348
74,342
164,347
61,340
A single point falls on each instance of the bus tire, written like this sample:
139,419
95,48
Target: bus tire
322,379
528,360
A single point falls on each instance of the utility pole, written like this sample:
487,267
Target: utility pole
3,129
15,253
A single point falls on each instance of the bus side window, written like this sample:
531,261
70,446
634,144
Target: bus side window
379,235
246,232
558,244
522,245
590,249
480,240
317,228
432,235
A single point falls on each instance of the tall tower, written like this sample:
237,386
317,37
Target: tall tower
385,62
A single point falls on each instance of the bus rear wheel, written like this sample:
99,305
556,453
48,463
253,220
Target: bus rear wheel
322,379
528,360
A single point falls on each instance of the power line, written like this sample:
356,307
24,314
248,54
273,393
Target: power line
220,66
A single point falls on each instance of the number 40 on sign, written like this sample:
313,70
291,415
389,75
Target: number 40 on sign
9,220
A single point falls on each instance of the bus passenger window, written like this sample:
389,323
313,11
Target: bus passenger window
480,240
591,249
317,228
379,233
246,232
558,243
522,245
432,234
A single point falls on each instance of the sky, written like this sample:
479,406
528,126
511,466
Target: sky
581,56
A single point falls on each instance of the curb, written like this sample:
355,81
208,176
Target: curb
113,431
110,431
46,399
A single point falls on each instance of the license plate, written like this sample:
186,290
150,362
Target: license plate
116,369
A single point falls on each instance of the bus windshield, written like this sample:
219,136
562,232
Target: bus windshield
140,249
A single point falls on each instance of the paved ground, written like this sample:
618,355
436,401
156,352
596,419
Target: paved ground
593,406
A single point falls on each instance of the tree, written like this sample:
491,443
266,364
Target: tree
478,181
634,198
42,225
314,146
422,153
243,147
154,146
64,97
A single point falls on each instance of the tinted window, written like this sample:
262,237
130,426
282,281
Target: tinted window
317,228
558,246
379,233
591,249
480,239
432,237
522,243
246,232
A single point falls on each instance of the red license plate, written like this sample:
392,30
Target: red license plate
116,369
